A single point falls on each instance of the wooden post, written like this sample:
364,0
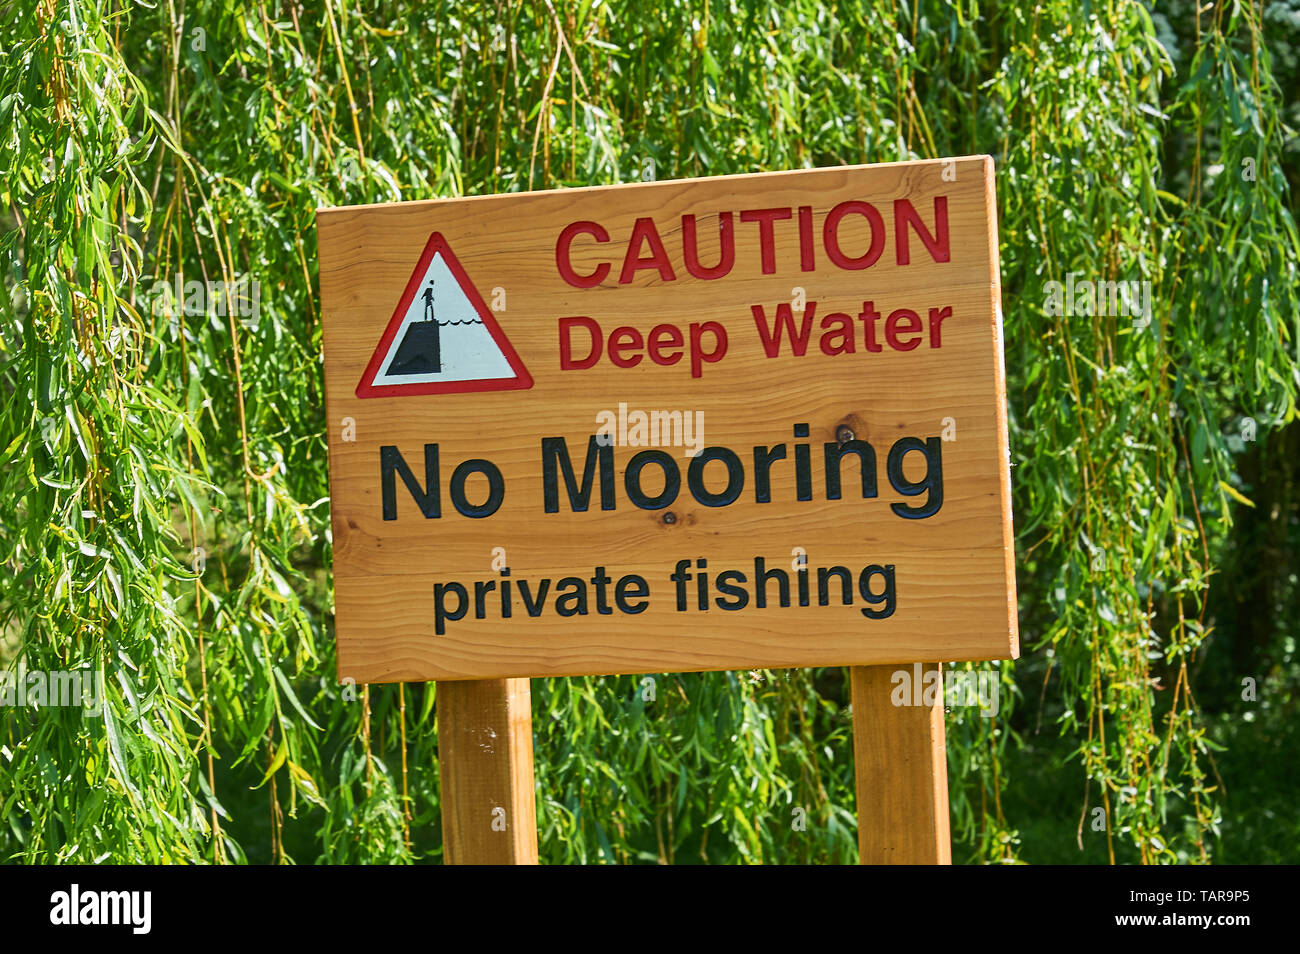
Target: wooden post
485,743
901,770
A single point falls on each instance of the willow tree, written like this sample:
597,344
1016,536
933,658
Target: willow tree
163,488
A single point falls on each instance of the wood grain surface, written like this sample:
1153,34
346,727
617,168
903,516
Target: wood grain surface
485,749
954,583
901,772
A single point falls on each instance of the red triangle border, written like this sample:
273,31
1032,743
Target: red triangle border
522,379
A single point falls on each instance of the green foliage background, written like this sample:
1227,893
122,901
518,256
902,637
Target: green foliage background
194,141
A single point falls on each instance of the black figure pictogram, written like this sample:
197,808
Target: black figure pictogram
419,352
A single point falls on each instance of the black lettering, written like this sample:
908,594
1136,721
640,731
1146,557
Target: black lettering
496,488
578,598
738,595
762,575
634,587
632,479
554,451
866,463
534,609
427,497
932,450
735,476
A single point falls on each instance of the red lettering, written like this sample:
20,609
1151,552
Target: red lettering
869,316
726,242
767,243
673,334
784,319
563,264
831,238
644,232
807,263
567,362
617,345
905,214
937,315
708,345
844,333
913,327
699,357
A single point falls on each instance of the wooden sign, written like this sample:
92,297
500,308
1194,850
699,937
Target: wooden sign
740,422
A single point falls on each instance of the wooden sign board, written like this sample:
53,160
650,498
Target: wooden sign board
744,422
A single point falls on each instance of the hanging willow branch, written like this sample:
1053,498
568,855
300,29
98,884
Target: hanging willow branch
163,487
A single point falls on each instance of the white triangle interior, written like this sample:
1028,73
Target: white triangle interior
467,348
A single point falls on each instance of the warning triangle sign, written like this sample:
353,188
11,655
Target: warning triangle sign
442,338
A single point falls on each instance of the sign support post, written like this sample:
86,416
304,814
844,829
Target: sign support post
900,772
489,812
485,739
